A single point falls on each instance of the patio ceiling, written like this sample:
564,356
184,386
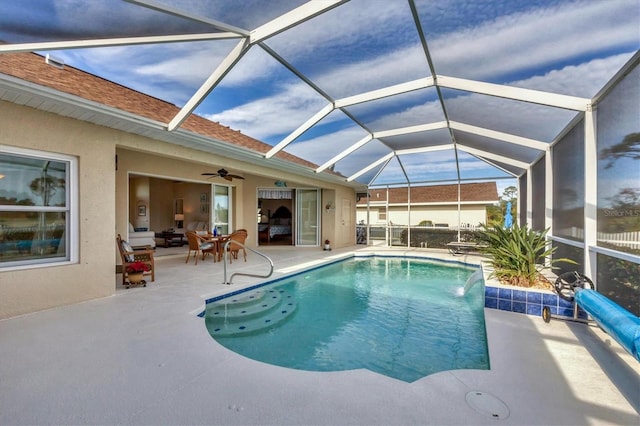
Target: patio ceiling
384,92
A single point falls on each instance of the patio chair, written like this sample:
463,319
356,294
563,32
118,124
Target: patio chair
130,256
198,245
241,236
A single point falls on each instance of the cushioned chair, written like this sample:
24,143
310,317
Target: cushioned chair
129,256
198,245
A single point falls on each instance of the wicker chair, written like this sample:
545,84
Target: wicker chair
199,246
129,256
241,236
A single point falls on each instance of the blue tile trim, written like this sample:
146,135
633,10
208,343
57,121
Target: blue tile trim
519,295
528,302
491,302
533,297
505,293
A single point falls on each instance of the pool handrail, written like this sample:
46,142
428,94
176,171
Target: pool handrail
224,261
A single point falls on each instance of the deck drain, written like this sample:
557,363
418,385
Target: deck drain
487,404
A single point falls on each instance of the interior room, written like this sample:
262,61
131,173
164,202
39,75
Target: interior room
157,205
275,218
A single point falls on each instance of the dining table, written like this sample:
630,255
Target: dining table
218,242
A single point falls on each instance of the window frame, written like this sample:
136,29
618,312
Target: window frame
71,210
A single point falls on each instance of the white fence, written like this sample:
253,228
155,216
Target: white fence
622,239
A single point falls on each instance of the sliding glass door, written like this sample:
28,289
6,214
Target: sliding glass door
307,217
221,205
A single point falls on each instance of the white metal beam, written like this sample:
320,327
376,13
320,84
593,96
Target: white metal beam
359,173
346,152
590,195
529,203
506,137
424,149
517,93
300,130
106,42
292,18
502,159
225,66
410,129
385,92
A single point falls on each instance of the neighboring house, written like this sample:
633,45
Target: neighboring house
436,205
82,158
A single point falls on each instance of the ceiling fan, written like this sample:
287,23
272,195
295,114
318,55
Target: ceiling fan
223,174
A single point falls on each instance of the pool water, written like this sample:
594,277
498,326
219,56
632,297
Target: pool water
404,318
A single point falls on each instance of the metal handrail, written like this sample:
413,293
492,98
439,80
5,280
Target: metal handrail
224,260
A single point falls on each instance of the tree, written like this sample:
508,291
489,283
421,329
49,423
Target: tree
510,193
629,147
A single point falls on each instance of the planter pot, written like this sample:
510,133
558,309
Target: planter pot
135,277
327,246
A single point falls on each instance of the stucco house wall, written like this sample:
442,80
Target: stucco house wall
38,288
106,159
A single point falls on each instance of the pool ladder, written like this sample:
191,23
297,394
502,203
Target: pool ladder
224,261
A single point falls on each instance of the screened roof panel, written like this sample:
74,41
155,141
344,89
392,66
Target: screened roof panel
271,103
355,48
430,166
472,167
515,117
398,111
505,148
301,60
424,139
28,21
236,13
363,157
392,174
526,40
336,131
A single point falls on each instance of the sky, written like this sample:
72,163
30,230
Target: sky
571,47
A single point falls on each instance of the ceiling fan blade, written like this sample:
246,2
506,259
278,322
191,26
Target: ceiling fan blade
236,176
209,174
228,177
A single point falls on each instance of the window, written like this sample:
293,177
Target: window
36,190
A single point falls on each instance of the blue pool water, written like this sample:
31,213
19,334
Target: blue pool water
404,318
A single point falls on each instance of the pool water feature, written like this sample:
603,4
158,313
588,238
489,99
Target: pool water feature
402,317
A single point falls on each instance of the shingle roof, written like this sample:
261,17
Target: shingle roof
31,67
482,192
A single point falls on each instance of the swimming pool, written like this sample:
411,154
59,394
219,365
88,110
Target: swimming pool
402,317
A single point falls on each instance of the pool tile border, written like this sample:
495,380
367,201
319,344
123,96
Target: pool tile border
528,301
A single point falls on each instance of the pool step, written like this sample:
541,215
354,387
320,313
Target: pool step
249,313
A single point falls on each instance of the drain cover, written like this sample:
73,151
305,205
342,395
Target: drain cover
487,404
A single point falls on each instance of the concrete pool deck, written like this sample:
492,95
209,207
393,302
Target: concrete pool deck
143,357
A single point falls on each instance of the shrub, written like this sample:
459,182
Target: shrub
517,254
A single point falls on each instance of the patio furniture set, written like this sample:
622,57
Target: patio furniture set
138,262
